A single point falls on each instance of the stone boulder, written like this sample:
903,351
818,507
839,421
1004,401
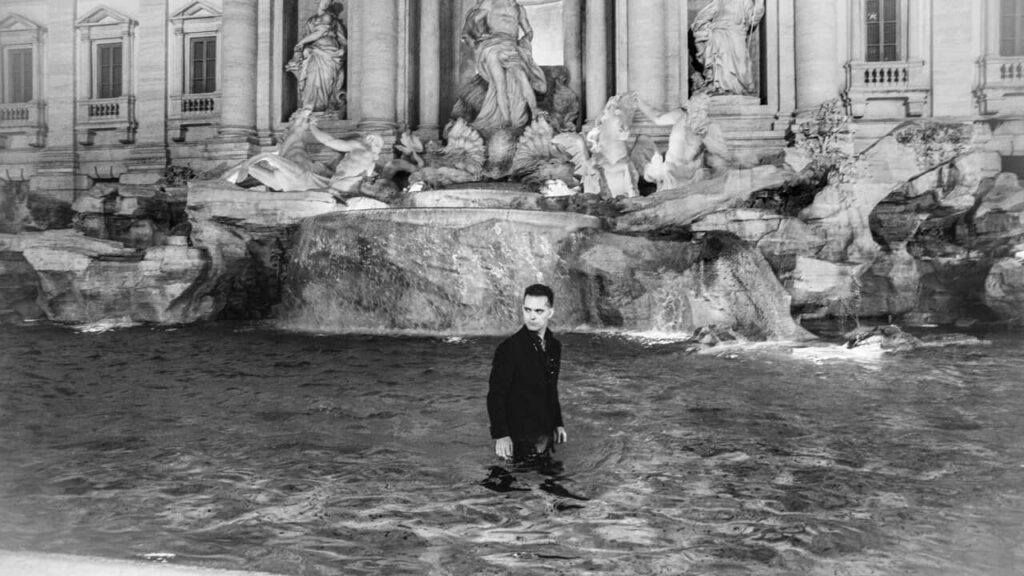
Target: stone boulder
904,161
24,207
84,280
640,284
678,208
890,286
19,284
1004,290
430,271
139,216
462,271
820,288
247,233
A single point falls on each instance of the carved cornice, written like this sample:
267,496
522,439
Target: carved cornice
16,29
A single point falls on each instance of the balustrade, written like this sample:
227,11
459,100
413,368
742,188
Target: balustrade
1002,82
903,83
14,113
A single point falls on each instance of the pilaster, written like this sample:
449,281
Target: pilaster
595,61
240,49
430,69
378,24
817,68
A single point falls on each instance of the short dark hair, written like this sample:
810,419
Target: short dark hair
540,290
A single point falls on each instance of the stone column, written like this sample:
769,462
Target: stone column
430,69
816,54
266,75
239,52
646,50
596,59
378,52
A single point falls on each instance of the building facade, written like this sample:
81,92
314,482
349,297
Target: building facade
123,89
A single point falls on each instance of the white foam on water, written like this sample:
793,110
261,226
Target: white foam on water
869,353
106,324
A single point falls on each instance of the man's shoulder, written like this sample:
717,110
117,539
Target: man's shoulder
513,339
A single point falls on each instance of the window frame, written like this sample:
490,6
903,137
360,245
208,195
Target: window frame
190,64
1018,30
879,27
19,33
13,85
117,79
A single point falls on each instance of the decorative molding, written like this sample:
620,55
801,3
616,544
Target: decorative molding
104,16
197,9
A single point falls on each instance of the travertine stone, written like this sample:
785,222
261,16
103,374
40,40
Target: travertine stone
596,59
378,21
239,50
816,54
646,50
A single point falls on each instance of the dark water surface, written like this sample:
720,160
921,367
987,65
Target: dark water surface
236,447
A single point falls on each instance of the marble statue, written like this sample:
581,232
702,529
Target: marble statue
358,163
721,31
608,159
538,160
290,168
319,61
504,61
562,102
696,146
461,160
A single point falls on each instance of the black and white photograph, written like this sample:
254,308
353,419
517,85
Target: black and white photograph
511,287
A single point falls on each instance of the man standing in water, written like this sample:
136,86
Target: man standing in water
522,402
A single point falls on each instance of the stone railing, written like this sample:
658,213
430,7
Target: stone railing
193,110
21,114
105,110
117,114
1001,84
193,105
891,88
28,118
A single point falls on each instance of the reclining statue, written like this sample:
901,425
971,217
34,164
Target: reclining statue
696,147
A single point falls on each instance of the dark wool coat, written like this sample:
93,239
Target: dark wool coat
522,400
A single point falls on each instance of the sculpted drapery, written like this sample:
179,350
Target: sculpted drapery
505,61
721,30
319,61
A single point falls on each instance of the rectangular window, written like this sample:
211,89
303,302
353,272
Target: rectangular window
203,65
882,20
19,75
108,70
1011,28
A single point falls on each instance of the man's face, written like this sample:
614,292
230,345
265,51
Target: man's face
536,312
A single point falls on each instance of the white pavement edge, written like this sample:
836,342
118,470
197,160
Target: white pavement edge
37,564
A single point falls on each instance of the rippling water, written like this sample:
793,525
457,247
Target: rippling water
238,447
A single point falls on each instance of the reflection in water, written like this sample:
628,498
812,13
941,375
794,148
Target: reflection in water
237,447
